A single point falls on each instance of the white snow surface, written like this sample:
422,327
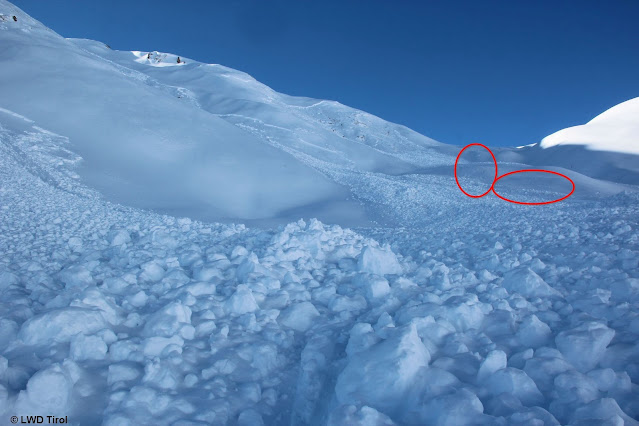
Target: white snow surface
450,311
615,130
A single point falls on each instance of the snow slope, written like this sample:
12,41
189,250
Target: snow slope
143,146
463,311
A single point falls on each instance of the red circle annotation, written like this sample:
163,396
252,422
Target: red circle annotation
497,178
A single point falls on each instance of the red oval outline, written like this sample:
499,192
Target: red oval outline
494,160
533,170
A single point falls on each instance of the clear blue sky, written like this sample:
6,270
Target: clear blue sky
495,72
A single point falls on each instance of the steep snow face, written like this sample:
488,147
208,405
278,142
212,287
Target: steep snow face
615,130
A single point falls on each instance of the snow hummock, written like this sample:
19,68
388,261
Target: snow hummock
615,130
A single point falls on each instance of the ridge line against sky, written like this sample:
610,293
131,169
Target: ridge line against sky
500,73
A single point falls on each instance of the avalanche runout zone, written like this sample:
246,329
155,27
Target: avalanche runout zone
117,315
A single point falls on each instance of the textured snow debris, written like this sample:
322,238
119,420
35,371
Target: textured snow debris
378,260
584,345
533,332
515,382
242,301
527,283
59,325
299,316
381,376
87,348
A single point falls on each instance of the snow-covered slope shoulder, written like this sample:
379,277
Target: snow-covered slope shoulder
615,130
606,148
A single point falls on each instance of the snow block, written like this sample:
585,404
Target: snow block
378,260
381,376
48,392
87,348
242,301
118,237
7,279
374,286
363,416
533,332
60,325
152,271
495,360
167,321
584,346
625,290
527,283
461,407
604,409
76,276
299,316
156,346
515,382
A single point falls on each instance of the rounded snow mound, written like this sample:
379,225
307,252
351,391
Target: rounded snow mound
616,130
